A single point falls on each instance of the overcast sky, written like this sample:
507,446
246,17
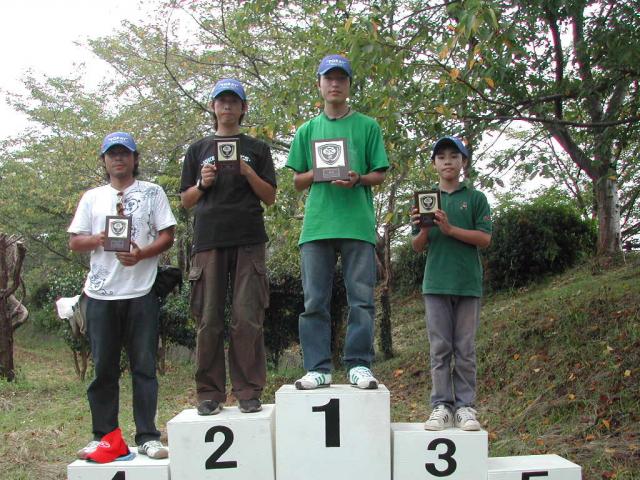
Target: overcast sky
40,35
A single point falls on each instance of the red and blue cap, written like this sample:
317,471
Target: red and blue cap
450,141
118,138
335,61
228,85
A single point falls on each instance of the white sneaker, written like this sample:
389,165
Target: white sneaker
361,377
465,419
89,448
313,380
153,449
440,418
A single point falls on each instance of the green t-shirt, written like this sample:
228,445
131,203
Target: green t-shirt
332,211
453,267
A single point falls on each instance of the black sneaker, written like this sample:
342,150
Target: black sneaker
209,407
250,406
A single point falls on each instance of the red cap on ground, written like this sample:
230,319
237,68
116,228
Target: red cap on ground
112,446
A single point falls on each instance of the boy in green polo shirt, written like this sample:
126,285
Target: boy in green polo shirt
452,287
339,219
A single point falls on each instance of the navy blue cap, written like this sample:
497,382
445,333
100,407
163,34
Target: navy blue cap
118,138
449,141
228,85
335,61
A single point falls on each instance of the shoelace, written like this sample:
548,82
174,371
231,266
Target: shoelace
438,414
361,372
466,413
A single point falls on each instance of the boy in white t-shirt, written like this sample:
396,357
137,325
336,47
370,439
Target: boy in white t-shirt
122,310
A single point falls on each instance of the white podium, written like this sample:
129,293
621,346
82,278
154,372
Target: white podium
228,446
533,467
337,433
140,468
452,453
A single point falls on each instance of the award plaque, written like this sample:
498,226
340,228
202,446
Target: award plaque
427,202
227,155
330,160
118,228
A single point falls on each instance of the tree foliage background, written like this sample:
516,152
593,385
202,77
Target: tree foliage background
565,69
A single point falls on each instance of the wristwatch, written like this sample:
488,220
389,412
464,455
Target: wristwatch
201,187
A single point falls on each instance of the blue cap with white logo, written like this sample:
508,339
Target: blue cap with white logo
335,61
118,138
228,85
449,141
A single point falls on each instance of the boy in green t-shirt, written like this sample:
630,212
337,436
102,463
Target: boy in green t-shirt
339,219
452,287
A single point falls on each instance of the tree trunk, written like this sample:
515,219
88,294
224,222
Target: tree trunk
384,337
609,241
6,337
12,253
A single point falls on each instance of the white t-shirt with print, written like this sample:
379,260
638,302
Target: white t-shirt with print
148,206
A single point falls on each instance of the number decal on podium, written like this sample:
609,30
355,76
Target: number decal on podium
447,456
212,461
528,475
119,475
331,422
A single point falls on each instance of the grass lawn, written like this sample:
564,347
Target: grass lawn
558,372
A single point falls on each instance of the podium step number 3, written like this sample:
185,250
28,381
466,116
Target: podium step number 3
451,454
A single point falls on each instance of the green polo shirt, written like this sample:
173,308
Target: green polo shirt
453,267
332,211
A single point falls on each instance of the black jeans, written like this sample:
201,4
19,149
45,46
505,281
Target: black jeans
132,324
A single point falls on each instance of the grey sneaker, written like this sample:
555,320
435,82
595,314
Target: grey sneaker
440,418
313,380
153,449
250,406
209,407
86,450
465,419
361,377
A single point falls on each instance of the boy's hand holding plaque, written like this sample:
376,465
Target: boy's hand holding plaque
118,233
427,202
228,155
330,160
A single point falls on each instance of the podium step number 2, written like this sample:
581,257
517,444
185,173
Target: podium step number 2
337,433
228,446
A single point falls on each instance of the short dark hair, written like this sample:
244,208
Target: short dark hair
136,165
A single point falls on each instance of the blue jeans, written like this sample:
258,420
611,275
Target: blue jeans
318,260
452,322
132,324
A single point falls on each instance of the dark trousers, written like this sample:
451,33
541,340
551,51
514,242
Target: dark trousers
132,324
212,271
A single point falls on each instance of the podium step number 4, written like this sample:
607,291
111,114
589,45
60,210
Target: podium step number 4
140,468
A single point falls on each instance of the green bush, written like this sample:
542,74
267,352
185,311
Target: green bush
535,239
408,268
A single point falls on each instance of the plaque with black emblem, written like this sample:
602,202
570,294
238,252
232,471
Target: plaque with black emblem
227,155
427,202
330,160
118,228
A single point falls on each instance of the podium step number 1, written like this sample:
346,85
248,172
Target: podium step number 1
337,433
